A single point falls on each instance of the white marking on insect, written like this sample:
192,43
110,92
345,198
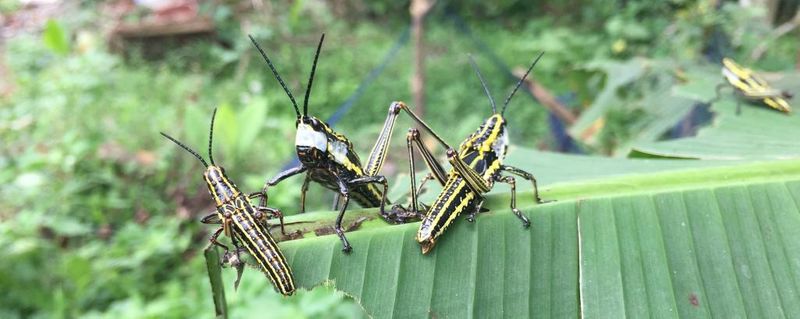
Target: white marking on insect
307,136
500,145
339,151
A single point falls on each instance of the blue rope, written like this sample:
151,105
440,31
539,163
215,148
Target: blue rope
564,143
347,104
462,27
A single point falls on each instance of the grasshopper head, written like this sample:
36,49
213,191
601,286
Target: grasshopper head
425,236
311,139
220,187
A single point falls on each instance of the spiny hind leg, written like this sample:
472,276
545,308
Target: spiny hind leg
436,172
377,156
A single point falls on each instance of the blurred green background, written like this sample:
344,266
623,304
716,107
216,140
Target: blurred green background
99,215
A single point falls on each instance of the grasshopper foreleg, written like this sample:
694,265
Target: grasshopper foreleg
214,240
303,191
478,206
344,195
277,179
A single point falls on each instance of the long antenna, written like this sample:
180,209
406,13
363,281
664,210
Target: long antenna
211,137
311,77
277,76
508,99
186,148
483,83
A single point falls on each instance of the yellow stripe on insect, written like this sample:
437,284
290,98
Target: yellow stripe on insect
456,211
752,86
263,260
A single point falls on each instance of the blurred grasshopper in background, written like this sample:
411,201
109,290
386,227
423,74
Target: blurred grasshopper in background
752,87
242,222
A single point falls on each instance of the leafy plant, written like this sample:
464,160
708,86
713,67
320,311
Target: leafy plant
98,214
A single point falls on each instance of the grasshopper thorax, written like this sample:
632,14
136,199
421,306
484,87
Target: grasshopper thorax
491,136
219,186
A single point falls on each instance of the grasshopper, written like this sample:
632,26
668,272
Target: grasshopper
475,167
752,87
327,157
242,222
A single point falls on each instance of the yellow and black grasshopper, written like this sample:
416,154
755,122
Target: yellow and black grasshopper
752,87
243,222
328,158
476,166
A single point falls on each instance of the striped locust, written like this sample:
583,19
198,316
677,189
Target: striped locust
752,87
243,222
475,167
327,157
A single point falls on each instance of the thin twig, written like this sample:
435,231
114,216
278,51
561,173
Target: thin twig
777,33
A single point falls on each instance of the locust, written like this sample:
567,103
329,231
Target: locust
753,87
476,166
328,158
243,222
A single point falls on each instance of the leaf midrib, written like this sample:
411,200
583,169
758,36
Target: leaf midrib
633,184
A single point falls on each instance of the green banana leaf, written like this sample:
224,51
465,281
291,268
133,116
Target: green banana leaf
665,238
757,133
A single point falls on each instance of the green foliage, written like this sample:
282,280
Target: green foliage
55,38
98,213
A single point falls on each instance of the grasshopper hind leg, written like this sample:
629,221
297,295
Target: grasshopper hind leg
416,209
